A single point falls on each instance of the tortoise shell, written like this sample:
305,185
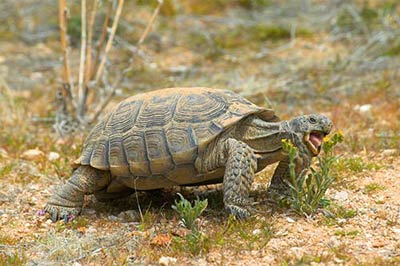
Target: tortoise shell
156,133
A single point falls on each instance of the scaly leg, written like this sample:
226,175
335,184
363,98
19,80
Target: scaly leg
280,178
240,167
68,199
279,182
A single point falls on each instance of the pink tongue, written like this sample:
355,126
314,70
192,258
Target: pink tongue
316,140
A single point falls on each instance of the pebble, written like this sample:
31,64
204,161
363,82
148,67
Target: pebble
290,220
53,156
389,152
113,218
341,196
378,243
256,231
166,261
129,216
91,229
396,230
363,108
32,155
3,153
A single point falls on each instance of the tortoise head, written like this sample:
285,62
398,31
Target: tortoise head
312,128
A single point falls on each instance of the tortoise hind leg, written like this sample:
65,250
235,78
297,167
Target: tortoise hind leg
104,196
68,199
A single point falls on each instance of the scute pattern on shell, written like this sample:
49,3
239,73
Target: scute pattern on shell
150,134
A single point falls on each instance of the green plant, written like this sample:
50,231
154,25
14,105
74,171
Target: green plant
194,242
355,165
351,234
188,213
307,191
250,234
372,187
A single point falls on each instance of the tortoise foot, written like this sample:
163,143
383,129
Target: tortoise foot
62,213
239,212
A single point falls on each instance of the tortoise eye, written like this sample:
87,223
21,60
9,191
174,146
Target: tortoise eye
313,120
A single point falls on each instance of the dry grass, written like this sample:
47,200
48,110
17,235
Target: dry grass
346,66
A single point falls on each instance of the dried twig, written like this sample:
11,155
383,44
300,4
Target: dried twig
67,86
89,44
151,22
88,68
81,83
102,37
110,39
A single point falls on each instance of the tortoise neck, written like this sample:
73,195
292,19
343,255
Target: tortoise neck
264,136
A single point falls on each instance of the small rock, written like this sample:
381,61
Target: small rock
256,231
32,155
339,261
129,216
35,76
396,230
3,153
113,218
153,65
53,156
363,108
166,261
341,196
290,220
389,152
378,243
178,69
181,231
91,230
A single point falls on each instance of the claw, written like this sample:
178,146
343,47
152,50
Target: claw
54,216
238,212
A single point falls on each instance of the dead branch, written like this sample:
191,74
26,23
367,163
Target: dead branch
88,68
102,38
82,62
151,22
90,39
110,40
67,86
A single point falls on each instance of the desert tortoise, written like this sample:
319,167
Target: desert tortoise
186,136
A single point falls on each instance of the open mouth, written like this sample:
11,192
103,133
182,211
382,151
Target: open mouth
314,141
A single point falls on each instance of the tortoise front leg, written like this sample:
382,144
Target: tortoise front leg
278,185
240,167
68,199
279,182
